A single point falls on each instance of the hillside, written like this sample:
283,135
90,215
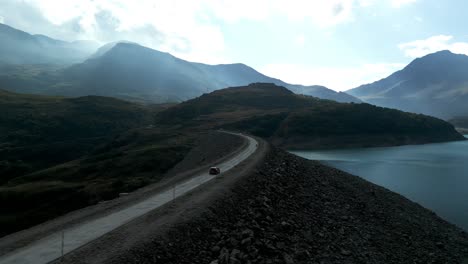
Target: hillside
124,70
294,121
60,154
19,47
436,84
39,131
130,71
230,75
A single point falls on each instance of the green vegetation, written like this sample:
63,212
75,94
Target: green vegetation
43,131
295,121
60,154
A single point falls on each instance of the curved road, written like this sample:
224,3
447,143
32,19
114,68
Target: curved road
49,248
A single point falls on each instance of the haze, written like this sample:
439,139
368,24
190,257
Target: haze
339,44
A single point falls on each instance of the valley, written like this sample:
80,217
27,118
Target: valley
118,152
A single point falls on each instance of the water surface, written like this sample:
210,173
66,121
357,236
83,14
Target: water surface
434,175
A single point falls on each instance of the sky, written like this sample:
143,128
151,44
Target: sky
339,44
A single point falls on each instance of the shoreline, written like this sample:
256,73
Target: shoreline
363,146
292,210
426,174
462,130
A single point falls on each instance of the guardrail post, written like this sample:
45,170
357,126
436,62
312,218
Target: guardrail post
173,194
63,245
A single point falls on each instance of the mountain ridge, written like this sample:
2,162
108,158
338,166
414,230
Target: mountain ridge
204,78
121,69
296,121
436,84
20,47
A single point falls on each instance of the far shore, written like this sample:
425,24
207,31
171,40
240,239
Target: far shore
462,130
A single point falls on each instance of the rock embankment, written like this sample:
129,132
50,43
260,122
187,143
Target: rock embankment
291,210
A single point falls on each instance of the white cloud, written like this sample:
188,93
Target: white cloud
300,40
2,20
339,79
177,26
186,28
392,3
419,48
400,3
321,13
366,3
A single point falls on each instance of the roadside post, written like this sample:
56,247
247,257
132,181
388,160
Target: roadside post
63,245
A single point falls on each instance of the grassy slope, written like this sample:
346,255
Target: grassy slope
43,131
295,121
59,154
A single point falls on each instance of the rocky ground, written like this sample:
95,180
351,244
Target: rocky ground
291,210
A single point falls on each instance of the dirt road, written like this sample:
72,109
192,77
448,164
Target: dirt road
49,248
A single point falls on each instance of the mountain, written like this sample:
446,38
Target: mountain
296,121
19,47
129,71
436,84
228,75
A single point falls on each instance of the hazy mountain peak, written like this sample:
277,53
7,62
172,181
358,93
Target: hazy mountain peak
436,84
128,70
19,47
109,46
128,48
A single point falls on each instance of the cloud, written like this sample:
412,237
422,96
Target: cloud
2,20
339,79
192,30
419,48
300,40
177,26
400,3
188,29
418,19
320,13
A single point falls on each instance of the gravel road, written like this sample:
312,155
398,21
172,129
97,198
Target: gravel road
291,210
49,248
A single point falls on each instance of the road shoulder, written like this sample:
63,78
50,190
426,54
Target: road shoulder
160,221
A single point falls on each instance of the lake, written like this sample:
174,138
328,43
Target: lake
433,175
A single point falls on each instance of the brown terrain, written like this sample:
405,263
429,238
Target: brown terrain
211,147
279,208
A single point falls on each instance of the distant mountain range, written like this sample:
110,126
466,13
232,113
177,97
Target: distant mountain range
19,47
436,84
124,70
130,70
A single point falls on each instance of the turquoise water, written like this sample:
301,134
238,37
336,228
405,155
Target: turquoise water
433,175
